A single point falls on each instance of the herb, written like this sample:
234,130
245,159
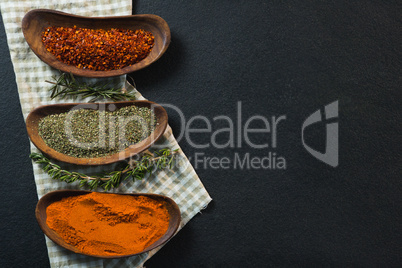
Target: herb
135,169
66,85
86,133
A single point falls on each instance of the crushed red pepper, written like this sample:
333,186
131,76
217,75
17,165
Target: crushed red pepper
98,49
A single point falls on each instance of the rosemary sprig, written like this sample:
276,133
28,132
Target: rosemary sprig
135,169
66,84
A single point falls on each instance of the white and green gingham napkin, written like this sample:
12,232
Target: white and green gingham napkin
181,183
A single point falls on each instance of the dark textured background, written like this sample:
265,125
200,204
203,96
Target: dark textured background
278,58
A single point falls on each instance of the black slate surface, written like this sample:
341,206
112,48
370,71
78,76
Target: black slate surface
272,58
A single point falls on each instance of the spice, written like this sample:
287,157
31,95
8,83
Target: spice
98,49
86,133
108,224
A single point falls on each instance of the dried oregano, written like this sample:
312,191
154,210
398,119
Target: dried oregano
87,133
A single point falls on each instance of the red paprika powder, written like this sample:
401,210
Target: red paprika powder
108,224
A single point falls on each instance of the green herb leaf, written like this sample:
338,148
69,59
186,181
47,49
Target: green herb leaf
136,170
66,85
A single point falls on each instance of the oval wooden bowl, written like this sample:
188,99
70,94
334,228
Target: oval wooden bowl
32,125
55,196
35,21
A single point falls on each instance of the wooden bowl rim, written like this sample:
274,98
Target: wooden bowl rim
159,23
35,115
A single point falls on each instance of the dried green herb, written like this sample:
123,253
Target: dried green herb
134,169
87,133
66,85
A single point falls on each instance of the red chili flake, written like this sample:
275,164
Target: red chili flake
98,49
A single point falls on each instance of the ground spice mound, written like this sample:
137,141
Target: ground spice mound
87,133
108,224
98,49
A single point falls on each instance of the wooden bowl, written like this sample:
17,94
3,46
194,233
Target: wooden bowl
35,21
55,196
32,124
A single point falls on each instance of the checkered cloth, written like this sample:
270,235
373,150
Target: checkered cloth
180,183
